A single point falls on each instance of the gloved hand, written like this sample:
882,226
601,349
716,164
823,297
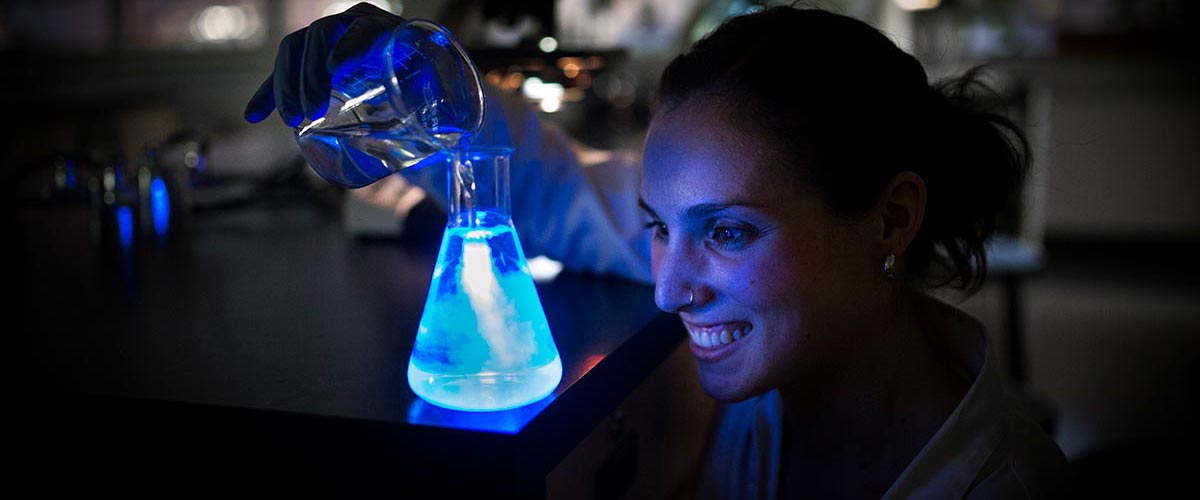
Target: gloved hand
300,84
584,216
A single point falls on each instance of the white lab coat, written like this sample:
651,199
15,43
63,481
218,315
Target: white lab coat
985,449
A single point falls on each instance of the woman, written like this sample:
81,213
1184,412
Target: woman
804,184
797,219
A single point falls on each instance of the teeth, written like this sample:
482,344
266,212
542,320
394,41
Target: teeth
711,338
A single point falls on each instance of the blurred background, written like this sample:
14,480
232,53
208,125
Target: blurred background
1093,305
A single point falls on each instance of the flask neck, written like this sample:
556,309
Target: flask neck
478,187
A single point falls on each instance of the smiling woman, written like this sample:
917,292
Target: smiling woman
795,223
737,248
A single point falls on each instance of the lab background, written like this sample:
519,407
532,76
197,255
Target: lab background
1092,303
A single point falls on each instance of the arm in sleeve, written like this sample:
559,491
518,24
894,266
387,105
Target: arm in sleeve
571,204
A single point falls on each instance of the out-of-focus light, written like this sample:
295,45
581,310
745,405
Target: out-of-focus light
570,69
544,269
192,157
548,44
911,5
510,82
125,226
532,88
64,174
110,180
160,206
513,81
339,7
551,104
222,23
548,95
493,77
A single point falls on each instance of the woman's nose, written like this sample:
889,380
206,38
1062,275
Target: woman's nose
674,281
672,299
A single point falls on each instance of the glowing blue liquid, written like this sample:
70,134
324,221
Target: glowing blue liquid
483,343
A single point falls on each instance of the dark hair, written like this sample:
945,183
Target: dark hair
850,110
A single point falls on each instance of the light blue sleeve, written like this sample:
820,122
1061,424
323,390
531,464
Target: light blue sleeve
576,207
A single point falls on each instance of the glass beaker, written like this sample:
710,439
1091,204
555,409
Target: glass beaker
483,342
415,95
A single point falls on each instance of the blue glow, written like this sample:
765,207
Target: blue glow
71,182
483,343
160,206
440,39
510,421
125,226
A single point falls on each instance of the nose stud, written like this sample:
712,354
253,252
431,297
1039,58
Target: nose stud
691,297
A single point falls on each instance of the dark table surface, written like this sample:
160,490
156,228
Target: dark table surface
265,342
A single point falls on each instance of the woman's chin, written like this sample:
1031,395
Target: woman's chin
725,389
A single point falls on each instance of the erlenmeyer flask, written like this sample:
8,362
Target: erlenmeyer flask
483,342
414,96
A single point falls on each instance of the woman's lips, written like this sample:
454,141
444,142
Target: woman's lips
715,341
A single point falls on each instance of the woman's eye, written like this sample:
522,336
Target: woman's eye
729,236
660,229
722,234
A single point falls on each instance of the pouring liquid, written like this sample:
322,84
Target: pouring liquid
483,343
356,153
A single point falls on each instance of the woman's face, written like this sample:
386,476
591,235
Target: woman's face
780,290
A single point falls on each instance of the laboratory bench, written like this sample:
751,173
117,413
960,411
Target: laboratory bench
262,345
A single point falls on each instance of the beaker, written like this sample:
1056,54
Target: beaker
413,96
483,342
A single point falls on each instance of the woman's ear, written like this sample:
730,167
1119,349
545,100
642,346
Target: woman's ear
901,208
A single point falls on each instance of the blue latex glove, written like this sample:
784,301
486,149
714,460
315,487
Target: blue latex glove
300,84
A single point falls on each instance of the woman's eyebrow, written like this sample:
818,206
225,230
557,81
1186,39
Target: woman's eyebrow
646,207
704,210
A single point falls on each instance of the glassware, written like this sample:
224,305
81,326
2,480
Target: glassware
483,342
397,105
